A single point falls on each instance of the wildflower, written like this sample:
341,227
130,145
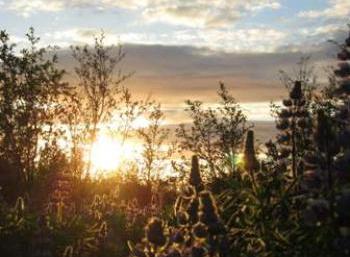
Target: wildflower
174,253
296,92
135,251
68,251
200,230
155,232
192,210
316,212
282,124
250,161
195,176
178,237
284,138
182,218
177,205
198,251
209,214
287,102
285,114
343,208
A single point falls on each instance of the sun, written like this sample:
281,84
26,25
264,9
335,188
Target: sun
140,122
106,154
109,153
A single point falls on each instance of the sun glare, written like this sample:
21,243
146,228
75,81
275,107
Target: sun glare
140,122
106,154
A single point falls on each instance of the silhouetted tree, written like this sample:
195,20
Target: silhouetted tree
30,89
99,84
153,137
215,133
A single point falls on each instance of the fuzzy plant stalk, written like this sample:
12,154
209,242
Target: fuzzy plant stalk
250,162
198,232
42,244
325,139
342,93
195,179
294,124
295,95
323,135
342,73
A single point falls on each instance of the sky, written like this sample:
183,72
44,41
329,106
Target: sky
181,49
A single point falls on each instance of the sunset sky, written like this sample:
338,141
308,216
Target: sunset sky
181,49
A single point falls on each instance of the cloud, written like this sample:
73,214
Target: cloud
204,13
261,39
325,30
195,13
26,8
178,72
229,40
336,9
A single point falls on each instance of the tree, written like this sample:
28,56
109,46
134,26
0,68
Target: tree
100,86
153,138
327,162
30,90
75,133
340,88
215,133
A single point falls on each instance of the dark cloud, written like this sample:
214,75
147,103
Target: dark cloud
179,72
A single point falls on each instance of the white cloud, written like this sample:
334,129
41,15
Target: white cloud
204,13
245,40
235,40
321,31
195,13
26,7
68,37
336,9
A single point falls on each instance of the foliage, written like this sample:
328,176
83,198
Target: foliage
30,87
215,134
98,84
153,137
294,202
198,231
293,118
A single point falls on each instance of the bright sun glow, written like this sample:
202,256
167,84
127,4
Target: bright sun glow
106,154
140,122
109,153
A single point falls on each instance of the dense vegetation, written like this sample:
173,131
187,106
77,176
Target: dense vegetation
295,201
